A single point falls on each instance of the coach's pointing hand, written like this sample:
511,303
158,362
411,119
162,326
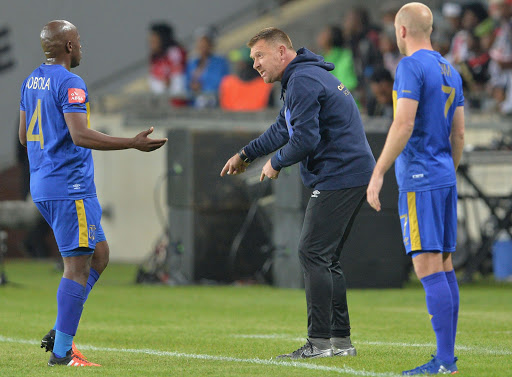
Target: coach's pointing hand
234,166
268,171
143,143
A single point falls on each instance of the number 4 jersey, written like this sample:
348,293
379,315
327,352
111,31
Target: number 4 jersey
426,162
58,168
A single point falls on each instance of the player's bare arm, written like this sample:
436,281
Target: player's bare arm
398,136
22,132
87,138
457,135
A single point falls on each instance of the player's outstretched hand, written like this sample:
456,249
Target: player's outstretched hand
234,166
143,143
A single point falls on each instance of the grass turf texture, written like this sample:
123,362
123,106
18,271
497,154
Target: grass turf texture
390,328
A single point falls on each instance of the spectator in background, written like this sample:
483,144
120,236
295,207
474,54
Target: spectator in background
381,101
331,43
205,72
501,55
363,40
445,27
388,12
472,15
389,50
167,64
475,69
452,13
244,90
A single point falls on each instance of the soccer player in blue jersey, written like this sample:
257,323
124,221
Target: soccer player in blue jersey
54,126
426,139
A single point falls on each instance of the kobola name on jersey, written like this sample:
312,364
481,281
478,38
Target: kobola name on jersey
41,83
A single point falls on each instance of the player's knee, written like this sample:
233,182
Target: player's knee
101,256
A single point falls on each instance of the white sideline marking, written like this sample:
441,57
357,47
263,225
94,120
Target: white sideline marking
490,351
294,364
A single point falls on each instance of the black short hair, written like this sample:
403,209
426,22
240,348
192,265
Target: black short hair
165,32
336,36
477,9
380,75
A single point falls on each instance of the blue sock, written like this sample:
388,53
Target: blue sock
64,342
93,278
440,308
454,287
70,303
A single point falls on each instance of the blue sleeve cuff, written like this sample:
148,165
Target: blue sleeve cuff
274,161
249,152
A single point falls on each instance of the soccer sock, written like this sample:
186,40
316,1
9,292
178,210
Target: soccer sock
93,278
341,343
439,305
321,343
70,303
454,287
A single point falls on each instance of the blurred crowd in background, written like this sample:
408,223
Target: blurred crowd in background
476,37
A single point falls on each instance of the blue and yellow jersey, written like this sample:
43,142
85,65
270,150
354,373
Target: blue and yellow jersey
59,169
426,162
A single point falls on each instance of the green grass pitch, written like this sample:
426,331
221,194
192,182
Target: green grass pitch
135,330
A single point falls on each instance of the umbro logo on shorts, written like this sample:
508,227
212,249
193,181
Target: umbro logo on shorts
315,194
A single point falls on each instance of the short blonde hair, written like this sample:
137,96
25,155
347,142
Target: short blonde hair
271,34
417,17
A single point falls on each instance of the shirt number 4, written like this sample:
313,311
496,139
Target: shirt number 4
36,117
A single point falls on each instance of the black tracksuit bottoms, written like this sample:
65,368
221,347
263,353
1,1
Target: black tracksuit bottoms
327,223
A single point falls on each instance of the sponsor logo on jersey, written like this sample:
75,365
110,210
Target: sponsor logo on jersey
76,95
416,176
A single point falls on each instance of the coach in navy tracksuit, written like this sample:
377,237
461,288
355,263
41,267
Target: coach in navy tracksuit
320,127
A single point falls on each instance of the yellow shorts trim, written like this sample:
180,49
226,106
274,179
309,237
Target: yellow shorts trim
83,235
414,230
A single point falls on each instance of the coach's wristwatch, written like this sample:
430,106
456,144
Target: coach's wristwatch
243,156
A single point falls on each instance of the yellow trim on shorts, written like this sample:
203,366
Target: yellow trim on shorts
83,236
414,229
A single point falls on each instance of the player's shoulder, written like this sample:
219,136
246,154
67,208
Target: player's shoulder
410,65
68,75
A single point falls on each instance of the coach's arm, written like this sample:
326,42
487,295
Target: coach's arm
457,135
87,138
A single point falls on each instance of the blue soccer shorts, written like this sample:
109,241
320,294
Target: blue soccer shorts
429,219
75,223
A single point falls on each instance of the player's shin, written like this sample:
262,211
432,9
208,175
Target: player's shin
70,303
440,308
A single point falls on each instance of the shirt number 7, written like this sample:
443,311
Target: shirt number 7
451,97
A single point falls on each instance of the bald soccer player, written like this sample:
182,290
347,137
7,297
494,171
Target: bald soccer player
59,140
426,139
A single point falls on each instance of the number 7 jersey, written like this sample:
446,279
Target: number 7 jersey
59,169
426,162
